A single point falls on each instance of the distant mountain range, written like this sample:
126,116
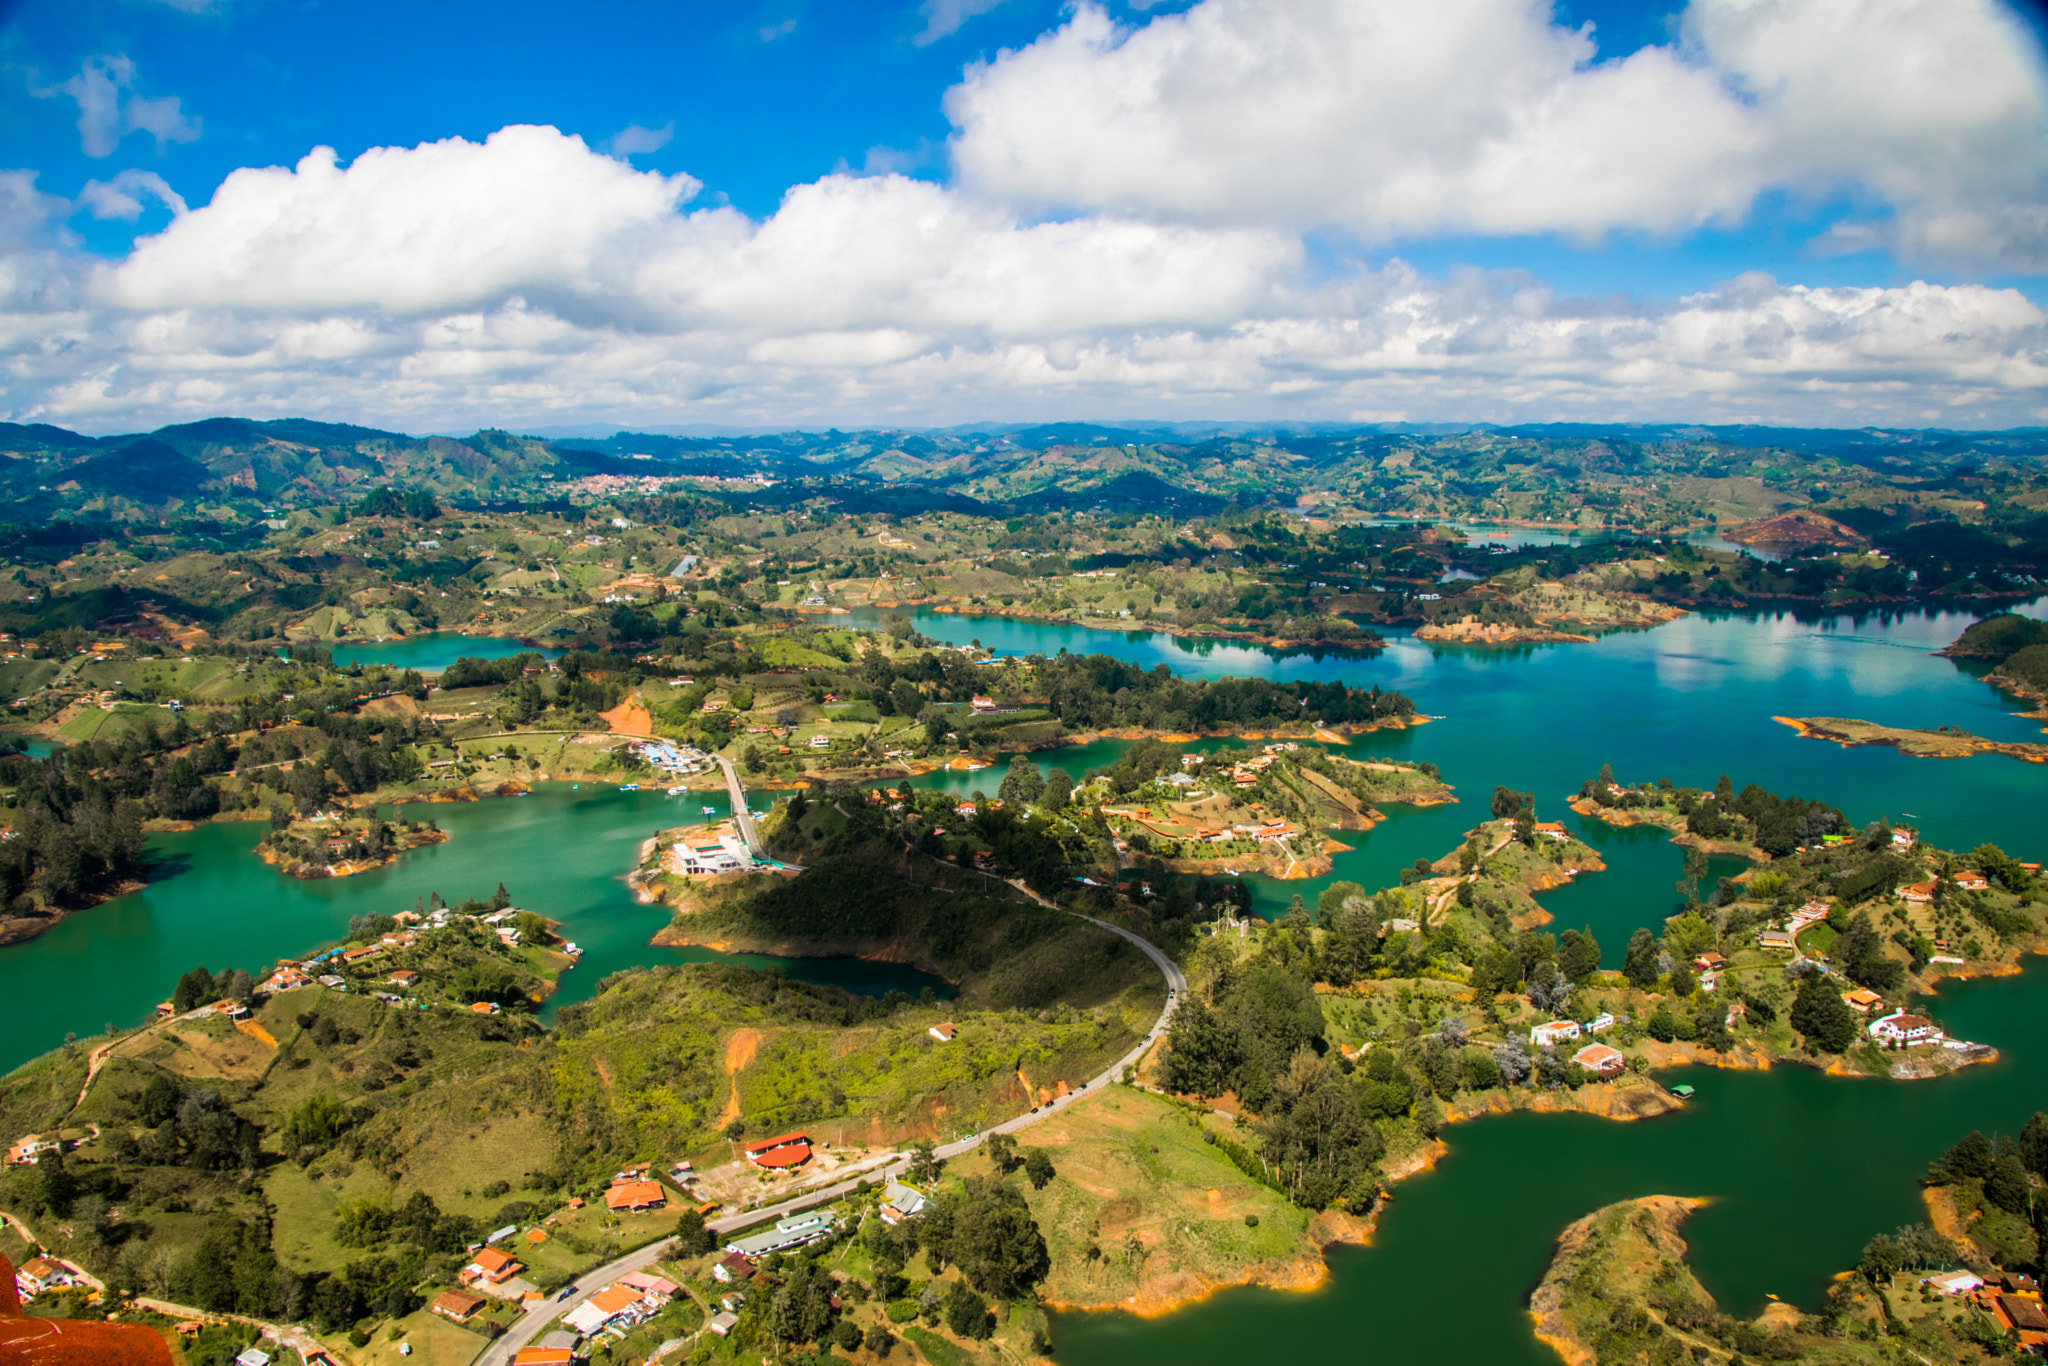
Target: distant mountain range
1188,468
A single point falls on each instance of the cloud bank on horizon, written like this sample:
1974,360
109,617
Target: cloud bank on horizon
1206,213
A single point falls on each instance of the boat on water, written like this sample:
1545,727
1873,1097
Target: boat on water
678,790
1682,1092
710,810
629,787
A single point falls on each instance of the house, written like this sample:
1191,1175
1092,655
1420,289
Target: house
779,1153
1552,830
1902,839
965,809
648,1284
601,1308
1972,882
1555,1032
789,1232
252,1356
2022,1315
484,1008
1600,1059
544,1356
405,977
1920,893
492,1266
821,742
30,1150
1861,1000
900,1202
635,1195
733,1269
1903,1030
457,1305
983,705
723,1322
1776,939
1954,1282
1600,1023
39,1274
944,1033
1709,962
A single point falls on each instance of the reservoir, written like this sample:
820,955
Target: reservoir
1801,1169
432,651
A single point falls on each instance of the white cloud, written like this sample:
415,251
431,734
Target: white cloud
108,109
944,17
770,32
632,140
529,278
121,196
1400,120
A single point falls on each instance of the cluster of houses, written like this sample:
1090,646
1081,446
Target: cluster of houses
2013,1300
624,1304
1602,1060
678,760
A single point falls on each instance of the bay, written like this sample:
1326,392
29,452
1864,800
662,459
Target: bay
562,851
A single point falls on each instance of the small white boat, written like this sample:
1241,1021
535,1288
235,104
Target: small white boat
629,787
678,790
710,810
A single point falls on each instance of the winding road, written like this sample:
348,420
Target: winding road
881,1166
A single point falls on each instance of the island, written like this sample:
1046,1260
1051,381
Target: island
1942,742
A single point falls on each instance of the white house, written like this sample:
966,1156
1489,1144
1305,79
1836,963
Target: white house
1555,1032
1902,1029
1601,1023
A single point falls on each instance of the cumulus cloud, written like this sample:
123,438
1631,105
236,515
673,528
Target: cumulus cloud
121,197
530,278
1484,116
108,108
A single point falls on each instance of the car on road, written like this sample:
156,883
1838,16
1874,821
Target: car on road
565,1292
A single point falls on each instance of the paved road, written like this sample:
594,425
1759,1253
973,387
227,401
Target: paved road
740,814
881,1166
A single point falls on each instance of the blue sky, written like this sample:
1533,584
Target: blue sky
782,210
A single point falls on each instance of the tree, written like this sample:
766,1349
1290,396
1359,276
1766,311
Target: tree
2006,1186
194,989
1059,790
1509,804
2034,1143
1578,954
1022,782
924,1162
990,1235
1002,1153
692,1238
1971,1158
967,1313
1038,1169
1819,1013
1639,960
